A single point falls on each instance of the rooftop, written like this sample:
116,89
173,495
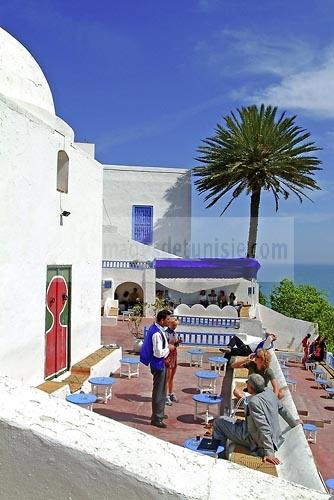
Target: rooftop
131,402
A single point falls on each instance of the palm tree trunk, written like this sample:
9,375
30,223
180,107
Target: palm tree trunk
253,222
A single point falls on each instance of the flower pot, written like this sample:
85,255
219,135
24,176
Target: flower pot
137,344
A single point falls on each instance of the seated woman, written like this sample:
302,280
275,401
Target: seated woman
258,363
232,300
222,300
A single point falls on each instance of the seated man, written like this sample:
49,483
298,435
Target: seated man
236,347
212,297
260,431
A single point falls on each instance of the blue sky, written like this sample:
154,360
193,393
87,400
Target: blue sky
147,80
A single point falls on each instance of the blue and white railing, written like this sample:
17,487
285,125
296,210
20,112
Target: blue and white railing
203,338
127,264
209,322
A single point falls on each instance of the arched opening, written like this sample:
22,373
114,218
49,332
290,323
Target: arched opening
127,294
62,172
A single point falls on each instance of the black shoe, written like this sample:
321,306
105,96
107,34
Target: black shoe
158,423
225,350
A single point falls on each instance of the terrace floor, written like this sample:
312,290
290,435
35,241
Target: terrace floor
131,401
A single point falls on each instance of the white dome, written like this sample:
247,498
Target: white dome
21,78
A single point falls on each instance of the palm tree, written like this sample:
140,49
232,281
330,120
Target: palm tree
255,150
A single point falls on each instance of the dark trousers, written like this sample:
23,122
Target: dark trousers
238,348
158,393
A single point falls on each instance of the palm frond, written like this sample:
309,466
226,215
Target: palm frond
257,148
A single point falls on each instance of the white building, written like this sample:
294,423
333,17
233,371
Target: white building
147,215
50,264
50,267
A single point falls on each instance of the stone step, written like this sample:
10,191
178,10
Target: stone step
80,372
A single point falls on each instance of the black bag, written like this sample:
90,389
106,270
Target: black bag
209,444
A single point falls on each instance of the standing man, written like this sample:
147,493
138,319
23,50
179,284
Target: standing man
260,431
153,352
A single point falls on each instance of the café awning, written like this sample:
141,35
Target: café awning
192,285
246,268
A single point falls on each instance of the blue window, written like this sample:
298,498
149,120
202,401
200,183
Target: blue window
142,224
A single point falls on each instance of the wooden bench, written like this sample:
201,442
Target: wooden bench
329,370
242,456
241,373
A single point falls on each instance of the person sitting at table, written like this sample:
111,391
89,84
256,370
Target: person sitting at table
212,297
258,363
319,348
222,300
203,298
125,300
260,431
232,300
133,297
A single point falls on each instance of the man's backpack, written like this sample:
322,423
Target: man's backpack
146,351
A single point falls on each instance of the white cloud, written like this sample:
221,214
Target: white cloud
302,73
261,54
242,52
311,91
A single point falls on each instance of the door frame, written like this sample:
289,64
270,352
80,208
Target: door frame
56,268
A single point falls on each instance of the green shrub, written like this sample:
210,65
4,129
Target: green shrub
307,303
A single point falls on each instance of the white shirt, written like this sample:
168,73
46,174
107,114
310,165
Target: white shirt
158,350
267,343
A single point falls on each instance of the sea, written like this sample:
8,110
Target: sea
321,276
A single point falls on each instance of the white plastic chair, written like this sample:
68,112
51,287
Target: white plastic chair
238,404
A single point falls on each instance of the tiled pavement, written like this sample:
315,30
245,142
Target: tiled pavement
131,402
320,411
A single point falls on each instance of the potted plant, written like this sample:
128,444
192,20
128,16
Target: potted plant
159,304
136,318
134,324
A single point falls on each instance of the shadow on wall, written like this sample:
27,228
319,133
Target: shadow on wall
172,232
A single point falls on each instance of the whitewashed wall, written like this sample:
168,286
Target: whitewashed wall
52,449
32,238
167,189
290,331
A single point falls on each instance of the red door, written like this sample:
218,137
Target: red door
57,321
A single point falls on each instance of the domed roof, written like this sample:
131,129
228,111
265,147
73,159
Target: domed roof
21,78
